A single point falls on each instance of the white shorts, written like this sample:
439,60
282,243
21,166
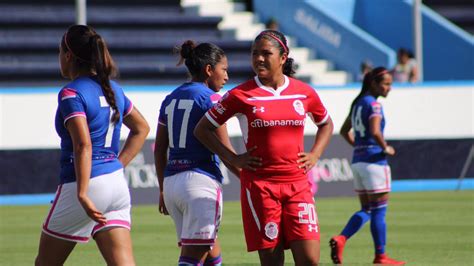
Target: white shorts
371,178
194,201
67,219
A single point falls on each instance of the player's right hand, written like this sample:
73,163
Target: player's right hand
91,210
247,161
162,207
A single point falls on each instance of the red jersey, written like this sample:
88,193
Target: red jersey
273,120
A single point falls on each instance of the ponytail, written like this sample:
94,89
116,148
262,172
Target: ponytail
103,65
197,57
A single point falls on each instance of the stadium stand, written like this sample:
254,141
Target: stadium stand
140,36
460,12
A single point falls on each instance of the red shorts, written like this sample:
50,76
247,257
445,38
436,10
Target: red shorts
275,213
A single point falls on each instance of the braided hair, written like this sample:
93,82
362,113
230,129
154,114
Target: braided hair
90,52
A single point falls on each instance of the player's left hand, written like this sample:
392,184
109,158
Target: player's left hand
306,161
162,207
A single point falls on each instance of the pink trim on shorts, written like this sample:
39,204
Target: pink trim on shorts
386,177
217,210
186,242
63,236
58,193
375,191
111,223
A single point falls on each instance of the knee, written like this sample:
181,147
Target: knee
310,260
276,257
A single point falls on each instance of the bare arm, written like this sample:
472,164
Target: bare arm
161,158
374,127
205,132
414,74
324,134
138,132
346,132
82,148
223,136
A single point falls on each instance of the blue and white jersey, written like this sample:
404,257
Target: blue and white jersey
84,97
179,113
366,149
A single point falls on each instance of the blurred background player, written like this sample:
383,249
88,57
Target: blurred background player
278,209
93,196
406,69
372,178
190,179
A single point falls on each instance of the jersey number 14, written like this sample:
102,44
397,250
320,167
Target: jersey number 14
357,121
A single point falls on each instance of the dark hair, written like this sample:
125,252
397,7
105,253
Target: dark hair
90,52
376,75
279,40
404,51
197,57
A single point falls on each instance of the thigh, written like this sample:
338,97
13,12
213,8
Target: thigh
300,220
115,245
261,214
53,251
305,252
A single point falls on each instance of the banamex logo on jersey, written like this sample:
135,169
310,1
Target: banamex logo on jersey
273,123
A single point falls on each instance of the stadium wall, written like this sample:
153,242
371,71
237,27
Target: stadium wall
430,125
349,32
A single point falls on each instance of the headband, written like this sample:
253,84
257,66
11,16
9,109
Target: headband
276,38
72,52
382,73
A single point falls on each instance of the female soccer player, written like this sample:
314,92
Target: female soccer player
277,203
93,197
369,164
190,179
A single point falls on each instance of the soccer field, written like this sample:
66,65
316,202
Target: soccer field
424,228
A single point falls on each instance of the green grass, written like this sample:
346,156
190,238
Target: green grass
425,228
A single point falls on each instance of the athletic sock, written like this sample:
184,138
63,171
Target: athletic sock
378,227
356,222
188,261
216,261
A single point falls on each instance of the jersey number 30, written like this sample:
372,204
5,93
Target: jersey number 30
187,106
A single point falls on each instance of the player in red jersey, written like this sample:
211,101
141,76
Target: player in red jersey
277,203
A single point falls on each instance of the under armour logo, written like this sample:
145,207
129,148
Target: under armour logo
312,227
261,109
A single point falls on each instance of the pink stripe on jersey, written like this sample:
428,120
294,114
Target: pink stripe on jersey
67,93
74,115
110,223
129,110
215,98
